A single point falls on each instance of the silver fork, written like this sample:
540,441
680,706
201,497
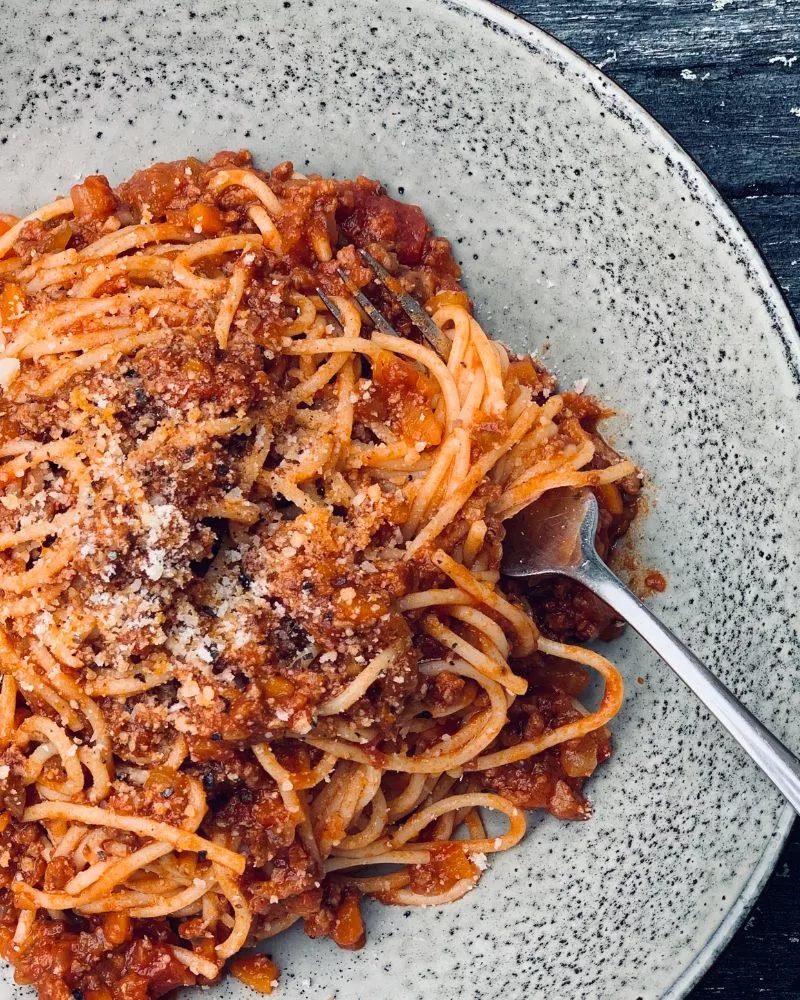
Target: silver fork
421,320
555,535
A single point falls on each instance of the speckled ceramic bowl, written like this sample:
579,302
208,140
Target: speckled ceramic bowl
579,224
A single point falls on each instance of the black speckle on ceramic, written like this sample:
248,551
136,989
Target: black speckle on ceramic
579,224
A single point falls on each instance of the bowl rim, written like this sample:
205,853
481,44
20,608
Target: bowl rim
605,91
783,324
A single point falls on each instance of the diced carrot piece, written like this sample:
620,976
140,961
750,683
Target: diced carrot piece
6,222
256,971
525,372
117,928
448,297
348,925
278,687
419,423
58,238
610,498
93,199
205,218
205,948
392,372
12,303
448,865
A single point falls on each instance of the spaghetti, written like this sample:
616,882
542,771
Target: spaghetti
256,658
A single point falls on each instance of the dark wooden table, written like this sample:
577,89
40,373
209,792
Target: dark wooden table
723,76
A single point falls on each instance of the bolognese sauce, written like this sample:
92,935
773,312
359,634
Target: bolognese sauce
254,637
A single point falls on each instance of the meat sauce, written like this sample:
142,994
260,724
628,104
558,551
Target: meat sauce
323,596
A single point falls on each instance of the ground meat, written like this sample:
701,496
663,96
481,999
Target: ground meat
258,820
311,213
539,783
153,191
12,785
401,228
567,611
187,372
293,883
445,689
553,779
38,238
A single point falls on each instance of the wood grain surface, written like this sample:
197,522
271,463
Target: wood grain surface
723,76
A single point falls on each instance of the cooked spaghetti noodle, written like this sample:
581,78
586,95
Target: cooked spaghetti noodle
257,661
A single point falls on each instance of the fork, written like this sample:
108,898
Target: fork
421,320
555,535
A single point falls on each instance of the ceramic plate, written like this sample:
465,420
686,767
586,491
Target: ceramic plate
581,226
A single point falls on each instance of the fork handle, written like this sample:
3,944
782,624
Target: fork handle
766,750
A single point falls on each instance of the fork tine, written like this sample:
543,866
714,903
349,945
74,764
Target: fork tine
332,308
377,318
421,320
